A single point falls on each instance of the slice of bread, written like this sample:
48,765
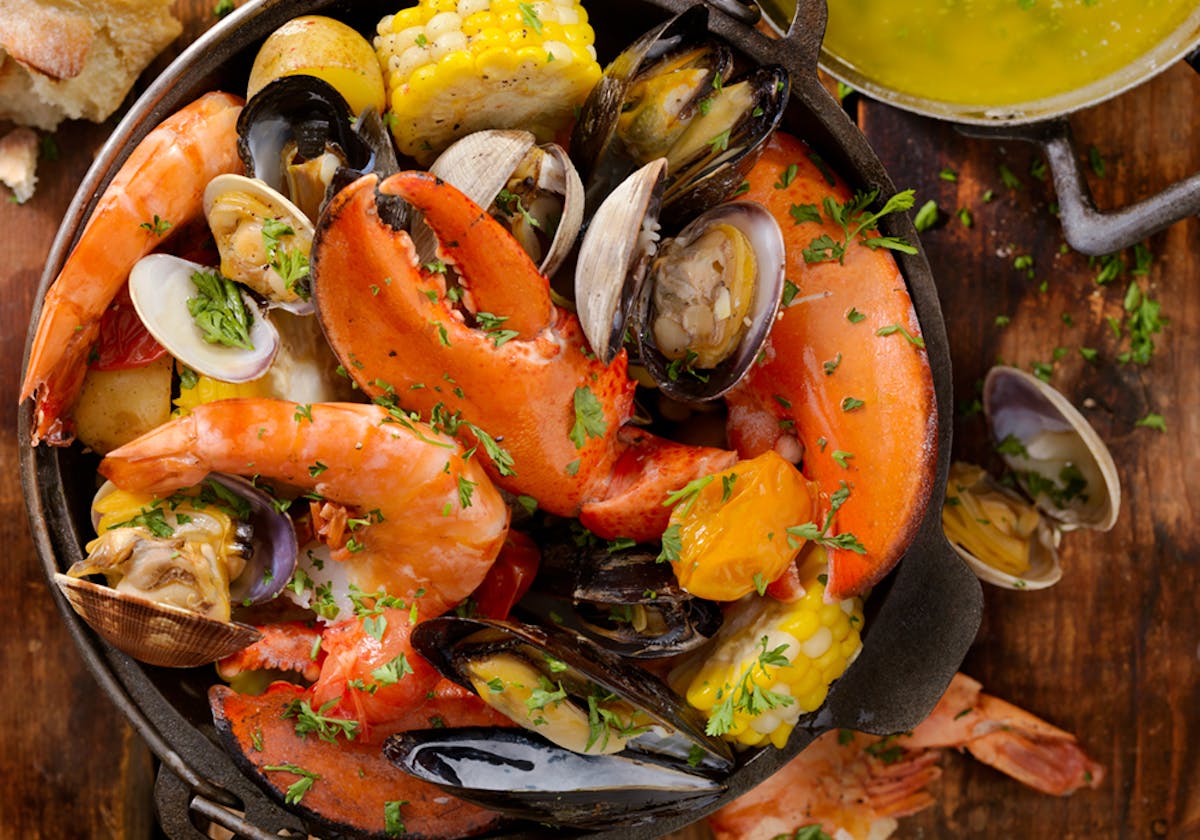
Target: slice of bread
18,162
69,59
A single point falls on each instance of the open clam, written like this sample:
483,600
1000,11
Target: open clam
264,239
699,306
1060,463
533,190
202,318
673,94
175,568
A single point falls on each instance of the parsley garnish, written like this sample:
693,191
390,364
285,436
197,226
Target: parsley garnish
809,530
158,227
327,728
1153,421
298,788
530,16
589,417
892,329
290,264
689,492
748,696
223,8
152,519
856,221
672,545
393,825
926,217
219,311
786,177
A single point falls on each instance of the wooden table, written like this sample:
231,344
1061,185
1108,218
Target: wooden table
1111,653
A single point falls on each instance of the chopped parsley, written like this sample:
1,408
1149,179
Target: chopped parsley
327,728
219,310
298,788
589,417
809,530
856,221
158,226
748,696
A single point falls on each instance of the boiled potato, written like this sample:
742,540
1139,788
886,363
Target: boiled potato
328,49
117,406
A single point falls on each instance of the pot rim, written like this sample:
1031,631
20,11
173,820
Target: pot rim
1166,53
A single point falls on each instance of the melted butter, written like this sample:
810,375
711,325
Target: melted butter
995,52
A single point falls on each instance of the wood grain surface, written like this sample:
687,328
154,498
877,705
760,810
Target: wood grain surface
1112,653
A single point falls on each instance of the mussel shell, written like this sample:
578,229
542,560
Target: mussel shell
599,581
160,286
591,139
438,639
480,165
519,773
303,109
154,633
760,227
1022,406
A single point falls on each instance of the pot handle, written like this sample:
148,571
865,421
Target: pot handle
1087,229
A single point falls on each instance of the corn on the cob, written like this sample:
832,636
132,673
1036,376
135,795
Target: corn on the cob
457,66
206,389
771,662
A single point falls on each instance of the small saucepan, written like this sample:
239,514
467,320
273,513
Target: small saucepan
1041,121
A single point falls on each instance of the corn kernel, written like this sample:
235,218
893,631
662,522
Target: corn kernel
812,700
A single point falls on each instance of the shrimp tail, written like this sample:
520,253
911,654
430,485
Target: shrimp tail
1032,751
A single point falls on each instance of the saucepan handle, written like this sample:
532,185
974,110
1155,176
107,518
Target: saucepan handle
1087,229
798,47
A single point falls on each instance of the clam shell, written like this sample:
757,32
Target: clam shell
614,258
480,165
1053,433
254,273
1044,567
153,633
761,229
160,285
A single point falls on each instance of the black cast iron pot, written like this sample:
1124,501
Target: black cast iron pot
921,620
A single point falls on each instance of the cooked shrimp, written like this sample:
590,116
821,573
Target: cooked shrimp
155,191
427,522
856,786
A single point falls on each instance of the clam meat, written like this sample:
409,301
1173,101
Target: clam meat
264,239
176,567
699,306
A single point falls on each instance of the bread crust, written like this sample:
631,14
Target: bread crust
63,59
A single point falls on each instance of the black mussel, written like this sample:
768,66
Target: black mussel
674,94
522,774
626,602
295,134
568,690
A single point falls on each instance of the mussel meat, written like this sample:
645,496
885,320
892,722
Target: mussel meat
569,691
175,567
533,190
672,94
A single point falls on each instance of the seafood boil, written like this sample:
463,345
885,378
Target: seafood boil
460,450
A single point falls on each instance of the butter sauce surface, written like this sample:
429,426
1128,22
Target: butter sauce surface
997,52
